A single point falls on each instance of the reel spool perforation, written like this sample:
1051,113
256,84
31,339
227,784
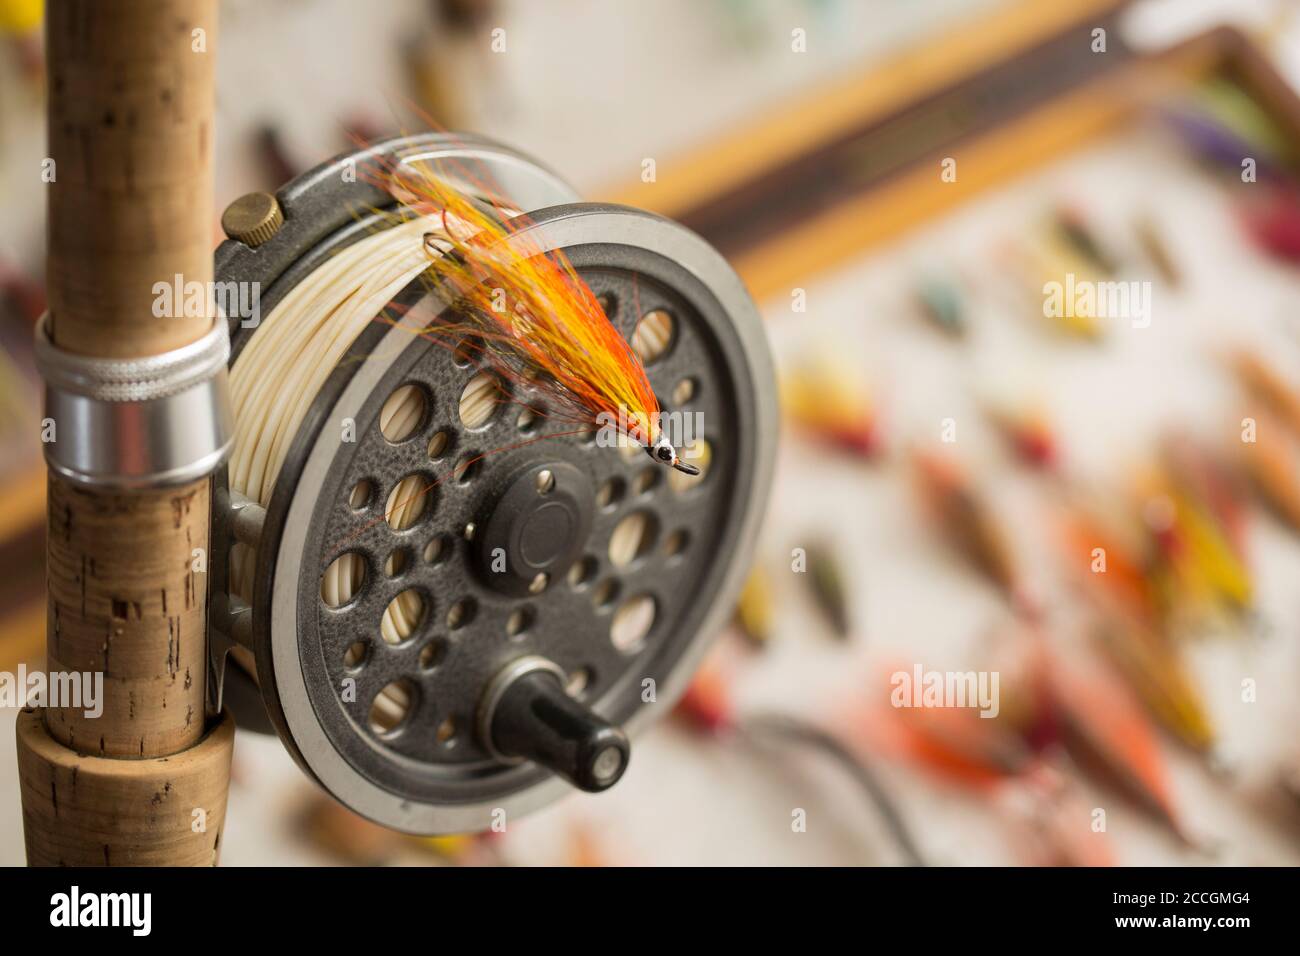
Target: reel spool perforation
462,504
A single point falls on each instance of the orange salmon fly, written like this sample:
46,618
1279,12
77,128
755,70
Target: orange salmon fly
528,315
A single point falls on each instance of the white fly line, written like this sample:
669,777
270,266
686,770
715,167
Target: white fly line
282,369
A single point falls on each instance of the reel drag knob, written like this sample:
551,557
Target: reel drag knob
528,715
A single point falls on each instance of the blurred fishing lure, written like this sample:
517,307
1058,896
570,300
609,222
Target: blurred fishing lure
1027,431
829,403
1201,573
940,300
969,525
1106,731
1155,671
1046,807
1273,466
1071,227
1262,381
826,584
754,608
1044,257
1091,542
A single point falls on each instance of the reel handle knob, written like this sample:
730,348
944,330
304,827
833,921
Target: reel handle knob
535,719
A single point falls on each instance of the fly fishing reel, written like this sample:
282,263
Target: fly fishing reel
560,592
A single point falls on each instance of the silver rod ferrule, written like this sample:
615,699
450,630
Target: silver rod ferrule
142,422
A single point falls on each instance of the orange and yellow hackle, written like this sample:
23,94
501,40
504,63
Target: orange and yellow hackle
525,313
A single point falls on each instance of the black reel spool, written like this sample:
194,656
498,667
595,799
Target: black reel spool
523,677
